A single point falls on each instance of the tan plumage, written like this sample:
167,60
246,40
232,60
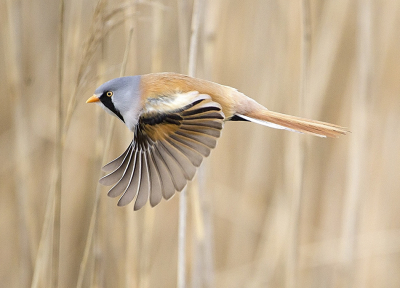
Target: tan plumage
233,102
176,120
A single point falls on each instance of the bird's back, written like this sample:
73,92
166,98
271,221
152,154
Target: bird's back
157,84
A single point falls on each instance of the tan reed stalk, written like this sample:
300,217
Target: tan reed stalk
306,52
197,231
59,149
13,50
146,230
183,57
145,248
183,34
198,7
293,182
297,153
101,26
131,267
132,276
357,149
325,51
59,152
93,218
43,255
182,239
95,271
202,258
272,247
182,228
157,25
96,34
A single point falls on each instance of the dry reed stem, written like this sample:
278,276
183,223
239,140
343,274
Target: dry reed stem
306,52
21,140
157,15
145,261
132,223
357,149
183,34
95,272
59,153
101,26
202,250
182,240
131,267
131,270
157,25
297,153
41,261
202,258
325,52
90,47
73,43
212,11
93,222
198,7
197,233
96,268
93,218
183,57
208,273
271,248
182,230
95,37
98,14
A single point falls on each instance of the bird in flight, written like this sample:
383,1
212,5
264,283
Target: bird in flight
176,121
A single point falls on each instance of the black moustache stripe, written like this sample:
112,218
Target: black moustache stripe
110,105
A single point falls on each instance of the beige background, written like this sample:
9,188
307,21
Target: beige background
269,208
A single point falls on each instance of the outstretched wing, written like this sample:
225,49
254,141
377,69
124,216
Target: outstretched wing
172,137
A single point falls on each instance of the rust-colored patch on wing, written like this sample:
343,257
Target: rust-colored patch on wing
159,131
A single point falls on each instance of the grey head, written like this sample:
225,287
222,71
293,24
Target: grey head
121,97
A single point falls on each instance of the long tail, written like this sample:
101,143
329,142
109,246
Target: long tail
293,123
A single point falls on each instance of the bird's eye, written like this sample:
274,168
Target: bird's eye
109,93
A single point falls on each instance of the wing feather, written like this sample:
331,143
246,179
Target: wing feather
203,123
173,135
203,150
206,115
187,167
199,137
194,156
116,175
125,180
144,189
173,168
155,181
113,165
203,130
131,188
166,180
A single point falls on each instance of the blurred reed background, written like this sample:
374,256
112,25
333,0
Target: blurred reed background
269,209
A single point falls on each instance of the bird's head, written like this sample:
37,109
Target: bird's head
120,97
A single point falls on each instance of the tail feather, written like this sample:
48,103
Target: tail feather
296,124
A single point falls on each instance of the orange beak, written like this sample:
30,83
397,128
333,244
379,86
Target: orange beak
92,99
